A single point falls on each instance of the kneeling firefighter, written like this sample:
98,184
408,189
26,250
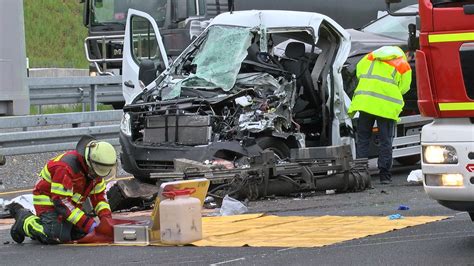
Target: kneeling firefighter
66,181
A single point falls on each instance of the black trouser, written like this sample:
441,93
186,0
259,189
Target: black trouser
386,132
59,231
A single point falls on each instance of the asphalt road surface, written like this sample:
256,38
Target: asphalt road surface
449,241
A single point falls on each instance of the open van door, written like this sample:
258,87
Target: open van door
144,55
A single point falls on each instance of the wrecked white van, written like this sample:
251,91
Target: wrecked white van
252,81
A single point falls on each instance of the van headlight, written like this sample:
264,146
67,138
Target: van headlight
125,125
439,154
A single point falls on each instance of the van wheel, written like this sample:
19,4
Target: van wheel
408,160
278,146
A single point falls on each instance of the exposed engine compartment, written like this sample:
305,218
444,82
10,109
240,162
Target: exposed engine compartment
258,103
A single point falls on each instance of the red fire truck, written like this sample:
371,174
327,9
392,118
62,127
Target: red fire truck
445,81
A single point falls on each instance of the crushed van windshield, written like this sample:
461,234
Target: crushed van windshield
217,62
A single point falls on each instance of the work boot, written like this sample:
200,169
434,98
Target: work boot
385,180
20,214
16,230
13,208
24,220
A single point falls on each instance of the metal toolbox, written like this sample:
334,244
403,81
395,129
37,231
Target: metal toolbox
131,234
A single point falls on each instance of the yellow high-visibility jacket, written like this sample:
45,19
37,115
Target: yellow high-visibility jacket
384,76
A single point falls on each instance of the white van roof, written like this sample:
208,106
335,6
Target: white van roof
277,19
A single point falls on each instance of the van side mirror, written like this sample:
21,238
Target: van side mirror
147,71
179,10
85,12
398,14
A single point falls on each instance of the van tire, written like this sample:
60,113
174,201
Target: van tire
278,146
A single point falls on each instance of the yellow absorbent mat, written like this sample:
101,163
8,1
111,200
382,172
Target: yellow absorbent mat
258,230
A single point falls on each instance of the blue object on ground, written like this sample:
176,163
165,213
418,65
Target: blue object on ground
395,217
403,208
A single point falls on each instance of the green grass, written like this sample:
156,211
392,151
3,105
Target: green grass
54,38
69,108
54,33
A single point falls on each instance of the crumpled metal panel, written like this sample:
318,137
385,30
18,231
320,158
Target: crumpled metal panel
278,92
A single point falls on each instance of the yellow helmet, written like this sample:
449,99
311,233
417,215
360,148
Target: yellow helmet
100,157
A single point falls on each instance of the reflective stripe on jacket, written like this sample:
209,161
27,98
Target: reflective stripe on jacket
384,76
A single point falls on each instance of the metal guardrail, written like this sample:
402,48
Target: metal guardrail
48,137
69,90
51,138
44,91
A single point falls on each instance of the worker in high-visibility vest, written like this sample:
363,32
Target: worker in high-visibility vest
65,183
384,76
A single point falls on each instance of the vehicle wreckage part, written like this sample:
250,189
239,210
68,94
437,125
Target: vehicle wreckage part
153,158
125,194
357,179
311,169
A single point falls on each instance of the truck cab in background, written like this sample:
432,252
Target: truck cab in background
179,21
445,81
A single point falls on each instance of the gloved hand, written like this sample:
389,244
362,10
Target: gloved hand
105,226
93,226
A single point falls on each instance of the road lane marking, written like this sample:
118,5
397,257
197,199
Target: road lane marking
227,261
401,241
5,227
286,249
15,191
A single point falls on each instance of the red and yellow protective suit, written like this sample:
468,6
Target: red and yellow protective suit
65,185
